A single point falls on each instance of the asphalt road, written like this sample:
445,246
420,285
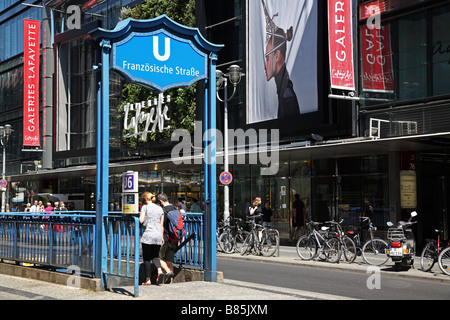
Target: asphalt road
335,282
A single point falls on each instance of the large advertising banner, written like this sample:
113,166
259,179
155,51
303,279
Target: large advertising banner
340,40
32,32
282,59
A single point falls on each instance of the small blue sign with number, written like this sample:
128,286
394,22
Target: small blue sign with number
130,182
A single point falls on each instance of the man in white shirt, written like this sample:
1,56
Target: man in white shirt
35,207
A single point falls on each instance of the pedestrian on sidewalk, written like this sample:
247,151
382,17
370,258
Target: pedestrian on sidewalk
298,218
168,249
152,218
267,214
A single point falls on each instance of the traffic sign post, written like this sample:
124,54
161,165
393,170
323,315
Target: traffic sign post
3,184
226,178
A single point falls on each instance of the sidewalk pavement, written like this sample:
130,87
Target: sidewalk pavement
19,288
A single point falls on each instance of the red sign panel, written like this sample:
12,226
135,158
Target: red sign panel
377,73
340,37
32,31
372,8
226,178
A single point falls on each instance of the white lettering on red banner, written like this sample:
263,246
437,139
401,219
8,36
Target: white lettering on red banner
377,72
32,31
340,37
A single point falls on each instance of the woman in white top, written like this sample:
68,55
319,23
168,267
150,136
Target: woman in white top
152,217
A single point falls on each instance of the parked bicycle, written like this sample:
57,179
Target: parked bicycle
346,244
431,251
444,261
232,239
263,240
221,227
374,250
323,244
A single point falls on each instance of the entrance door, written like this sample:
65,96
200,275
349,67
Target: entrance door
433,184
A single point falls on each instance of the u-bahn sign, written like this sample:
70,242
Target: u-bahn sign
159,53
159,60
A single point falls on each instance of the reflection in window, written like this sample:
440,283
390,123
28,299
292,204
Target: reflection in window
407,59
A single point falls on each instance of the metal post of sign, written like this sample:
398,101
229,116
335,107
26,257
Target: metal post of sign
210,172
102,163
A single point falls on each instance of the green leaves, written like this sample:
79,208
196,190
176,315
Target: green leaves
183,101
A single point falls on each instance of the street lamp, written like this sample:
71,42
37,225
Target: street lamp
5,132
235,75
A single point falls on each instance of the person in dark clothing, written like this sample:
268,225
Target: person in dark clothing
168,248
255,211
276,67
298,218
267,214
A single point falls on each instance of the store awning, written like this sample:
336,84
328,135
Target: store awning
368,147
429,143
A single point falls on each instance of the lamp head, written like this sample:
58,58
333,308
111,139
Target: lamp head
219,79
235,74
8,130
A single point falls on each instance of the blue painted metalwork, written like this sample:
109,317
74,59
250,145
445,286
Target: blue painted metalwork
108,38
61,241
56,241
210,172
192,254
123,243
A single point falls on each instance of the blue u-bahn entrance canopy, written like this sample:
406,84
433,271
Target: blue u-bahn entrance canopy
159,54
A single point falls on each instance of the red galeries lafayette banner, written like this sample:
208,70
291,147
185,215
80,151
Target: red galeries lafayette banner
340,37
32,31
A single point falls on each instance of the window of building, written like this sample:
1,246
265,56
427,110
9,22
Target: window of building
407,59
77,90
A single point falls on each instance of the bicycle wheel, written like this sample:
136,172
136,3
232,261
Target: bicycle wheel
428,257
247,244
444,261
239,240
349,250
270,242
333,250
306,248
374,252
227,242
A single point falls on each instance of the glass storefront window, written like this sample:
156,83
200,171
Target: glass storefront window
77,90
407,59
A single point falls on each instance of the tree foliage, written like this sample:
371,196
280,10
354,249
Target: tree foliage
183,101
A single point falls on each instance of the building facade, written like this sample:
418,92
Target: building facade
388,147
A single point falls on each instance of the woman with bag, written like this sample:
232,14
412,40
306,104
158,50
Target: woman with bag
152,218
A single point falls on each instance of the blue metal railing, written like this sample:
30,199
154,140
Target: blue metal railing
192,254
57,241
65,240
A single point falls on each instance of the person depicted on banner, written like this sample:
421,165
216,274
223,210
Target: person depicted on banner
275,66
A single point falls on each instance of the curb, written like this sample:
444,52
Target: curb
356,266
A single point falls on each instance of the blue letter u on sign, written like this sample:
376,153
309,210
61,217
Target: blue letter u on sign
166,55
